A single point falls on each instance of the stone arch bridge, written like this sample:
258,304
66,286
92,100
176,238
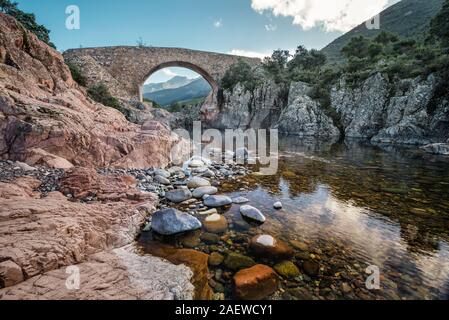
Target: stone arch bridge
125,69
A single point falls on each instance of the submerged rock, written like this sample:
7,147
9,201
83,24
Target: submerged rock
269,247
240,200
171,221
215,259
236,261
178,195
217,201
287,269
215,223
311,267
210,238
252,213
255,283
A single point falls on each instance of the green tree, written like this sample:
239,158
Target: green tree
28,20
439,26
276,65
242,73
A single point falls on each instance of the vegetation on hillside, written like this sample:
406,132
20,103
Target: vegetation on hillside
405,19
77,74
28,20
101,94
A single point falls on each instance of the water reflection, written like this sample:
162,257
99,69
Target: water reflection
359,205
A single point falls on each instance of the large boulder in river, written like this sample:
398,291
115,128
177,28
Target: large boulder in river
171,221
178,195
252,214
437,148
255,283
217,201
269,247
201,191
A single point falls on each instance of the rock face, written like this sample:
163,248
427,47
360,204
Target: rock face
119,274
241,109
60,232
45,118
171,221
304,116
403,112
255,283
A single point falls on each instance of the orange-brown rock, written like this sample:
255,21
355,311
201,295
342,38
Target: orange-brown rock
269,247
196,260
42,234
215,223
82,182
255,283
46,118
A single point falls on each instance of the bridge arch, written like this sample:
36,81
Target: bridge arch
183,64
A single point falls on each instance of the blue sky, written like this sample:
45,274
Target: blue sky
247,27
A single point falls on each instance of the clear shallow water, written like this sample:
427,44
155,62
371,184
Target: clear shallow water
353,205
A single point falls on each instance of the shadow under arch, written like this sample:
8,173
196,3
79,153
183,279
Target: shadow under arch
182,64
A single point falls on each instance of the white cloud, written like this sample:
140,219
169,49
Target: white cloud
271,27
218,23
333,15
250,54
169,73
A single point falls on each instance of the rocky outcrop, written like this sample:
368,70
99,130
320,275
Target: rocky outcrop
119,274
303,116
402,111
45,115
242,109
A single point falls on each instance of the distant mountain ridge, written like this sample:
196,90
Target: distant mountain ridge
198,88
173,83
407,18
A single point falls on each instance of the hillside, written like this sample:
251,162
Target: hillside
173,83
408,18
198,88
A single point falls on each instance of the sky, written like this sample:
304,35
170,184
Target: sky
242,27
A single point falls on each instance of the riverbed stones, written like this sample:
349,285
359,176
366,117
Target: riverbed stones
267,246
210,238
277,205
196,182
171,221
299,245
215,259
240,200
162,180
178,195
252,213
215,223
217,201
196,163
255,283
201,191
162,173
287,269
208,212
311,267
236,261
